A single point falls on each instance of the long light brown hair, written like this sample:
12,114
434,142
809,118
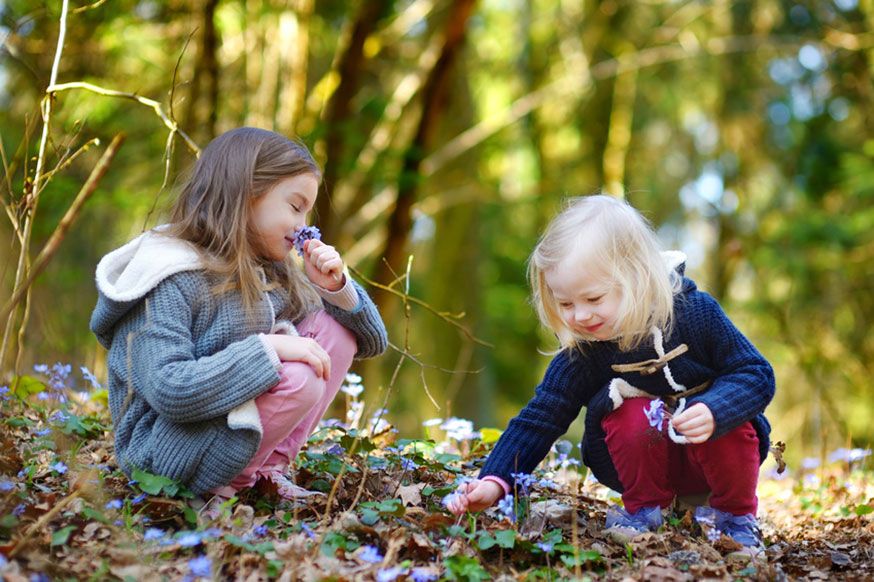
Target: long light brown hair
214,207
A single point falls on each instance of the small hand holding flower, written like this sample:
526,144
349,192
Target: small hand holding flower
475,495
323,265
695,423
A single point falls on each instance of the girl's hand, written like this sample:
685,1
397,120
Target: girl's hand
323,265
475,495
292,348
695,423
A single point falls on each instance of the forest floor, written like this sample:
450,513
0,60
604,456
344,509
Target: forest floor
69,513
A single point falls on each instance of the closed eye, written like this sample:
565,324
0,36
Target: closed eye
597,299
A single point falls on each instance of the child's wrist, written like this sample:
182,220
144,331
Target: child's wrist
505,487
346,297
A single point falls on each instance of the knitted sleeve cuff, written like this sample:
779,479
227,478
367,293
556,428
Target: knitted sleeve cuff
271,353
345,298
499,481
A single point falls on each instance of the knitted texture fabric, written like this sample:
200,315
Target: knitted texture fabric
181,358
742,386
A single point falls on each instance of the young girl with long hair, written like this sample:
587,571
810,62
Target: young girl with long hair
675,394
223,353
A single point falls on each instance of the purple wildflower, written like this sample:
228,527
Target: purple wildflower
303,234
59,467
114,504
655,413
848,455
507,507
307,530
59,417
91,378
335,450
4,392
370,554
6,485
19,510
154,533
260,531
545,547
423,575
42,432
189,539
139,498
408,465
390,574
809,463
524,480
201,566
211,533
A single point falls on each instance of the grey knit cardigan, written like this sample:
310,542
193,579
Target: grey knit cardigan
184,364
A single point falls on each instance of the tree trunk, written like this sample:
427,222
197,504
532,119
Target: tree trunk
294,39
204,81
434,93
339,108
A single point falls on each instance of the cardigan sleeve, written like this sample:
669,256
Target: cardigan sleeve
180,386
556,403
363,321
744,381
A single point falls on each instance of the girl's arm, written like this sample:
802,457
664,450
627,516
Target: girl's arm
345,300
179,386
565,389
744,382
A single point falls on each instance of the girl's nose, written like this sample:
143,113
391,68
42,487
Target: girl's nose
582,314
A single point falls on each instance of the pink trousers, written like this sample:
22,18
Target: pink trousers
291,410
653,469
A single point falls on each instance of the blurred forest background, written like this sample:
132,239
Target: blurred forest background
451,130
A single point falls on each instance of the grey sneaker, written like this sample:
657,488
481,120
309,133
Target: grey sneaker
622,527
743,529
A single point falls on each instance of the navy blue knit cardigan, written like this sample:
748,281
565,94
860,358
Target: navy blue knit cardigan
742,386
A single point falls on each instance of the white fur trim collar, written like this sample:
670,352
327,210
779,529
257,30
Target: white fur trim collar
131,271
673,259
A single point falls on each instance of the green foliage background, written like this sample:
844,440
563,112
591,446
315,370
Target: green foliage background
742,129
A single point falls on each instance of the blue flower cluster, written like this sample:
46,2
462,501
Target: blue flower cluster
58,376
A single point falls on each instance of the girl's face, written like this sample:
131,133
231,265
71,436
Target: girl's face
588,304
281,211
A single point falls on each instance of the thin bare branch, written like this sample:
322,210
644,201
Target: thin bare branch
54,242
31,200
169,122
445,316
